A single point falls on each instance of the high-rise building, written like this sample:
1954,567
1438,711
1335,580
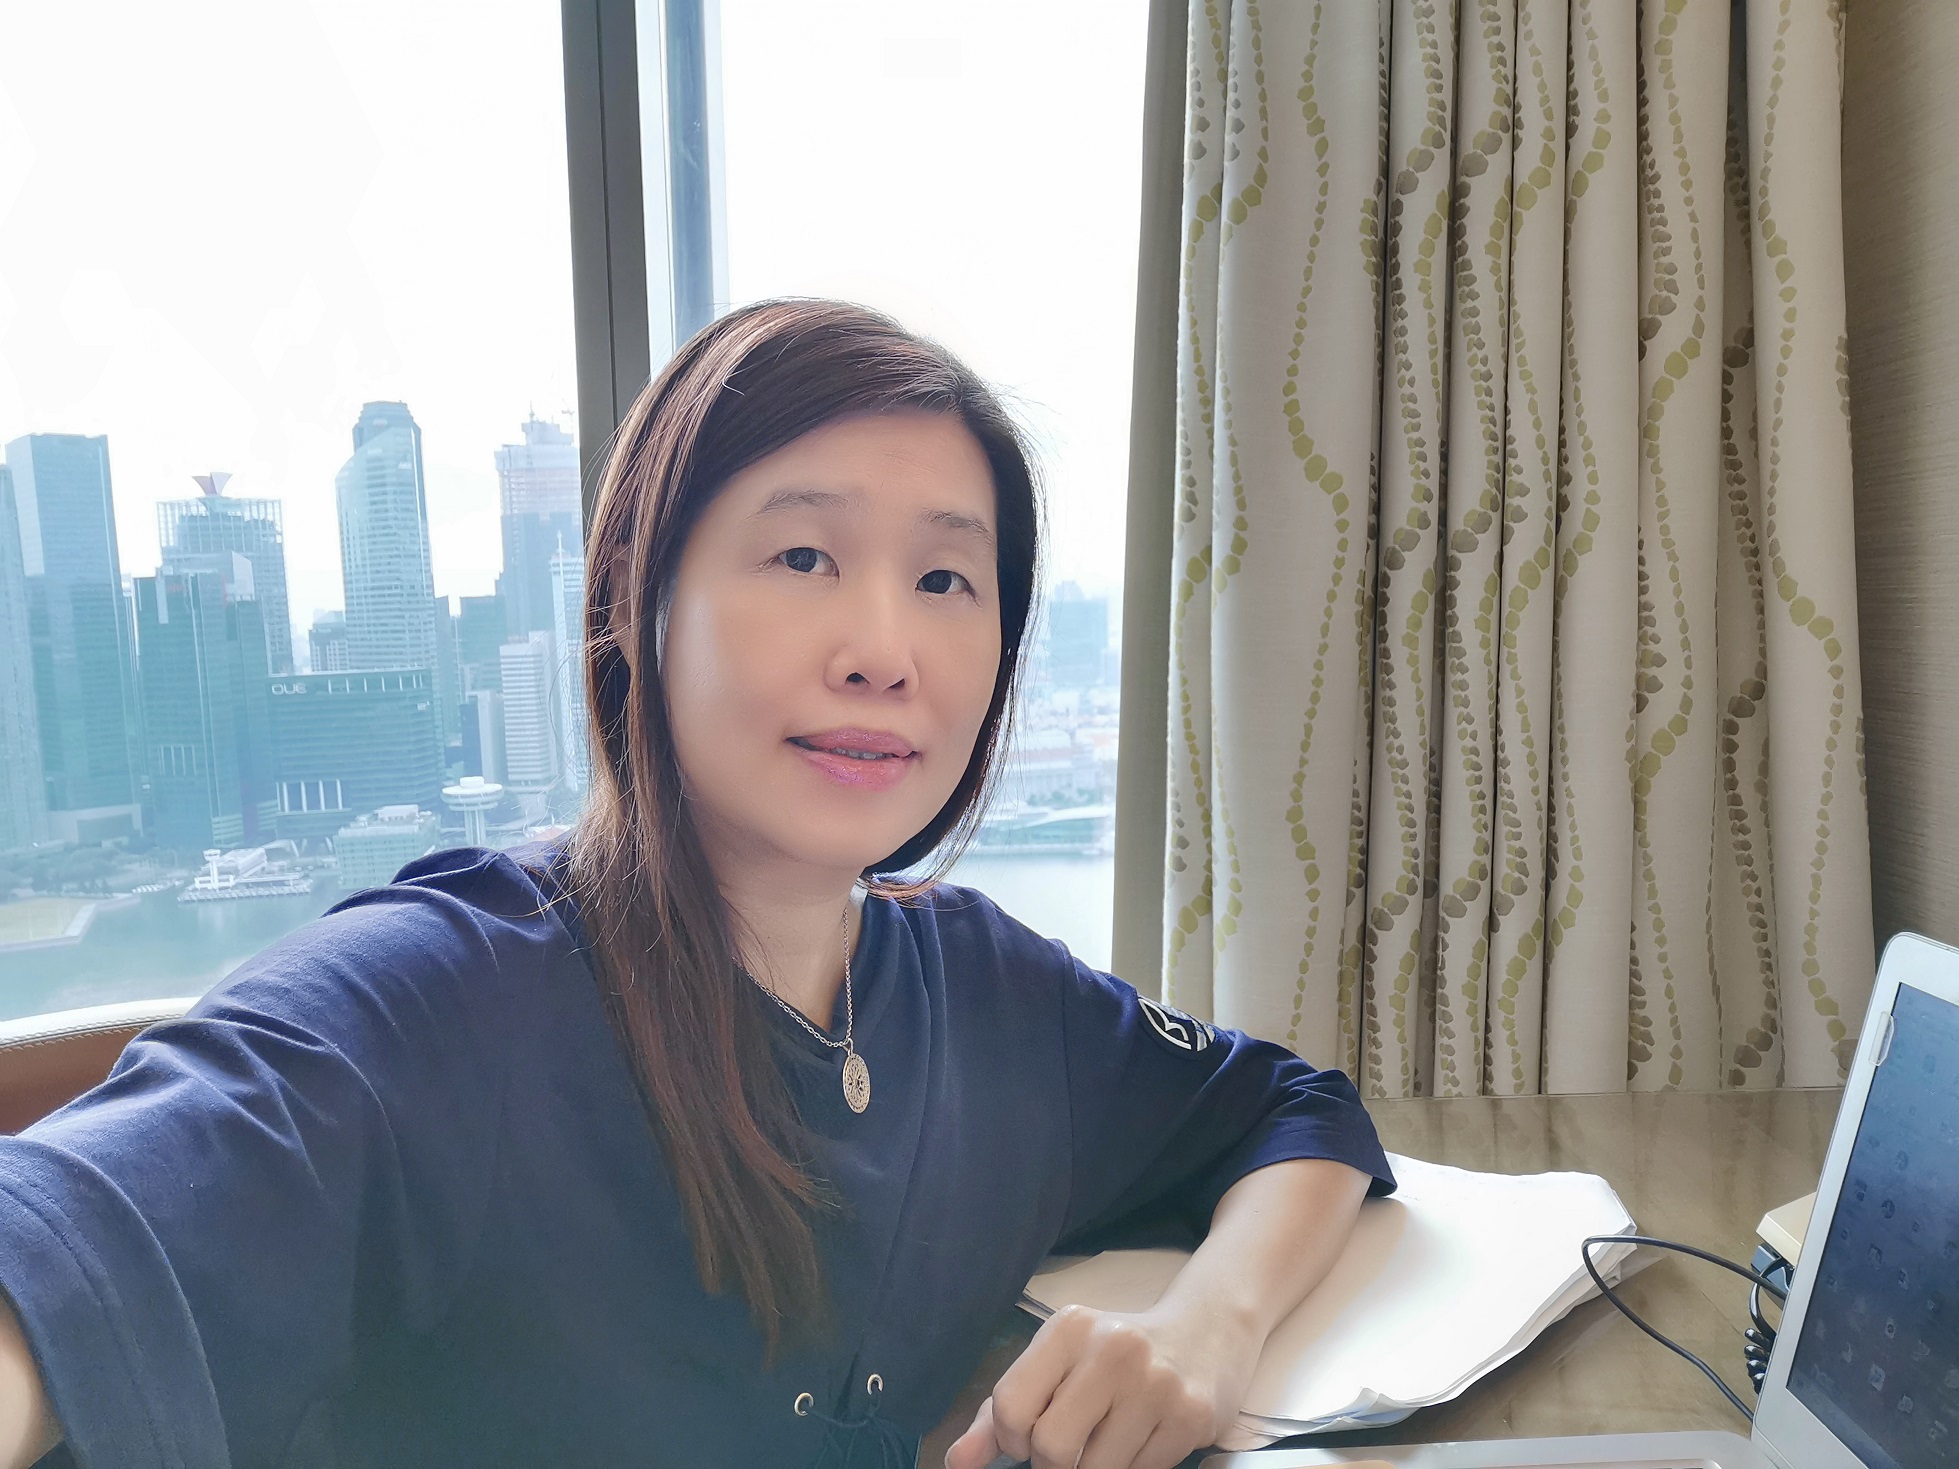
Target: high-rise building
347,743
1078,638
448,675
568,634
23,793
530,743
481,628
372,848
327,639
84,685
205,718
541,511
384,543
483,734
190,532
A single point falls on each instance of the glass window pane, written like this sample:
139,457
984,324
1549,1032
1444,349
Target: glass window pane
972,167
285,383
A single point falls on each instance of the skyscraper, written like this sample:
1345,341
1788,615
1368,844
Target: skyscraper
448,676
1078,637
203,670
482,718
481,628
347,743
384,543
191,531
568,616
541,511
23,794
327,641
530,745
83,673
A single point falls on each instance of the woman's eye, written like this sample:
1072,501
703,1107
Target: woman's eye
802,558
941,581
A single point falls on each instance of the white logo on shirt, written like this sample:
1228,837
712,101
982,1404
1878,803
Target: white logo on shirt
1183,1031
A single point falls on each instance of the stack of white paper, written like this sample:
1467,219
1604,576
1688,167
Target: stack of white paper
1453,1275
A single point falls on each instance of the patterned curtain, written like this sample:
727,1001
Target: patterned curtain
1515,726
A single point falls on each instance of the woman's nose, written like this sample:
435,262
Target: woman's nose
874,641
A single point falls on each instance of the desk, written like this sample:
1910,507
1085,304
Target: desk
1701,1167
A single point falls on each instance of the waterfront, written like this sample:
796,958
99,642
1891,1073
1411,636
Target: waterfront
149,949
156,946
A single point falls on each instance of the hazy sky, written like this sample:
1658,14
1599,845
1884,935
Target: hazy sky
226,224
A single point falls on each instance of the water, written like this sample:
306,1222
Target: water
1066,898
159,947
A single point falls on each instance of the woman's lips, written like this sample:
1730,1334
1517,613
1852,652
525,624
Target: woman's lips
847,770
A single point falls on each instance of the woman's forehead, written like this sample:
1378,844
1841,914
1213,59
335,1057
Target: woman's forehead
927,465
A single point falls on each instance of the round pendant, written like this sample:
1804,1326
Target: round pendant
856,1082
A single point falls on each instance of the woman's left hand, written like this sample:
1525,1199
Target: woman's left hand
1114,1390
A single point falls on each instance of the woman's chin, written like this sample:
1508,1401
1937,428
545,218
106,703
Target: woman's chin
845,858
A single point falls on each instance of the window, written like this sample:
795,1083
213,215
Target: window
971,167
284,393
289,472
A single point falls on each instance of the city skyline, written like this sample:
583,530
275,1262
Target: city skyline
161,706
167,710
192,530
299,614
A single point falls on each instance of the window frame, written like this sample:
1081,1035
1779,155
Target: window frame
639,291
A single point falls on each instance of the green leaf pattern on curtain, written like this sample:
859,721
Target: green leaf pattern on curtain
1505,539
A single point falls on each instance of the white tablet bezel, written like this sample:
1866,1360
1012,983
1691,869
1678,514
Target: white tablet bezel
1786,1430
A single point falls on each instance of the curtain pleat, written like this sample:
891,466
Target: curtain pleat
1523,744
1683,84
1504,540
1820,844
1587,980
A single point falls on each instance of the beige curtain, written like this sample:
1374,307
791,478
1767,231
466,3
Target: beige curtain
1515,725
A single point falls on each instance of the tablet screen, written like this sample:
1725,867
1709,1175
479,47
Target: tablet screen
1878,1359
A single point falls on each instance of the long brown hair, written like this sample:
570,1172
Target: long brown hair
697,1040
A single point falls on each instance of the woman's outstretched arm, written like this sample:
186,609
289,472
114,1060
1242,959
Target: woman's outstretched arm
27,1426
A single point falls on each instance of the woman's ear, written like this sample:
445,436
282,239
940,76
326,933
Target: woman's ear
619,628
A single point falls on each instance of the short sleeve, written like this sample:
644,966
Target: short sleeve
197,1247
1168,1112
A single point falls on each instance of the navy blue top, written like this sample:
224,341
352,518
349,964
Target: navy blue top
388,1194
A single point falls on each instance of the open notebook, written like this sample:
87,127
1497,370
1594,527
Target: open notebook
1454,1274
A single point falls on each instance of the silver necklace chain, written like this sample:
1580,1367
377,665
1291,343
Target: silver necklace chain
856,1075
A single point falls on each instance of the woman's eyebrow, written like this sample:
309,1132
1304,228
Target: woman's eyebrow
953,520
813,499
833,500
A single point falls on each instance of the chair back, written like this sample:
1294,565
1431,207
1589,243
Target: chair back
47,1061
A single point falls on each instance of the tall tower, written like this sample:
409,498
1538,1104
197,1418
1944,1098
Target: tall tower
530,744
539,486
568,628
84,682
23,794
205,717
1077,637
481,628
193,532
448,675
384,543
327,639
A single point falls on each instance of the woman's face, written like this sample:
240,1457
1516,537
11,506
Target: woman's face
833,640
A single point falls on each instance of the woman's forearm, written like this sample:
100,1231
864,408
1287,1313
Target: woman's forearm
1273,1237
27,1426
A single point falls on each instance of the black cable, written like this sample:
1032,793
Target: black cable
1757,1342
1761,1282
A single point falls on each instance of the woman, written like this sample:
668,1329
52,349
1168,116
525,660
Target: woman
702,1137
